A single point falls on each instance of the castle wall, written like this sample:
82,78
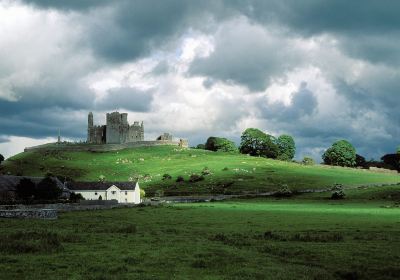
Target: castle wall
113,123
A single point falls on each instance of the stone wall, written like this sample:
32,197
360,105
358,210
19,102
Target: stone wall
29,213
106,147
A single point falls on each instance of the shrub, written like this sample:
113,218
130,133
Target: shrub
1,158
48,189
360,161
308,161
341,153
206,171
166,177
102,178
201,146
26,189
220,144
142,193
337,192
225,169
195,178
180,179
284,191
257,143
75,197
286,147
159,193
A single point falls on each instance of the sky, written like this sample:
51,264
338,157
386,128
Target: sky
320,71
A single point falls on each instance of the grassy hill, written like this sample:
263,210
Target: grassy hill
229,173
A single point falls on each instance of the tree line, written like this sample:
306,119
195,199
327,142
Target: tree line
255,142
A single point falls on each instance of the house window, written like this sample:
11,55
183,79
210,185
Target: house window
113,192
126,193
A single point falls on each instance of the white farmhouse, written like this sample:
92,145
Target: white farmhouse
123,192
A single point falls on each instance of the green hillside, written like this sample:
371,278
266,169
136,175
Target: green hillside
229,173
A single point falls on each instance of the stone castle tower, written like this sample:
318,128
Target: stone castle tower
116,131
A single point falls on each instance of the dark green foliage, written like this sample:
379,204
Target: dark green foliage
196,178
26,189
180,179
286,147
257,143
166,177
308,161
360,161
342,153
201,146
220,144
47,189
337,192
392,161
1,158
75,197
284,191
398,149
206,171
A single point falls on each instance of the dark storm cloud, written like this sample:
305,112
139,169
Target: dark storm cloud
304,103
126,98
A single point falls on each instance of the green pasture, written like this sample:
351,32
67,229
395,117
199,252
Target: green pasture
305,237
230,173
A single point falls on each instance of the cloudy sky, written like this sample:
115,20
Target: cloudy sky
317,70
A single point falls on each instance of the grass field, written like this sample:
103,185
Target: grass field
306,237
230,173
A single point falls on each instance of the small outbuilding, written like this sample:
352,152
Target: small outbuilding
123,192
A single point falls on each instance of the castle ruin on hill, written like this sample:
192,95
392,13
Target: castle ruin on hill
116,130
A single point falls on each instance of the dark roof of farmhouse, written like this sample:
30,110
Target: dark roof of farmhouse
9,182
98,186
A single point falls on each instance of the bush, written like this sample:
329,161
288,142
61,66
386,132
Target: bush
195,178
159,193
286,147
337,192
47,189
308,161
180,179
102,178
26,189
75,197
341,153
142,193
284,191
220,144
257,143
225,169
201,147
360,161
206,171
166,177
1,158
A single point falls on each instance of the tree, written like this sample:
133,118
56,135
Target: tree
286,147
47,189
201,146
26,189
1,158
360,161
257,143
398,149
308,161
341,153
220,144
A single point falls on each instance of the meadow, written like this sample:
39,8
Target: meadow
304,237
224,173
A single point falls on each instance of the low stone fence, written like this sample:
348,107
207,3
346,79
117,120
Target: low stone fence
103,147
29,214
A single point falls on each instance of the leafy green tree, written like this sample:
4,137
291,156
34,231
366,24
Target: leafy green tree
26,189
398,149
257,143
220,144
1,158
341,153
201,146
48,189
308,161
286,147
